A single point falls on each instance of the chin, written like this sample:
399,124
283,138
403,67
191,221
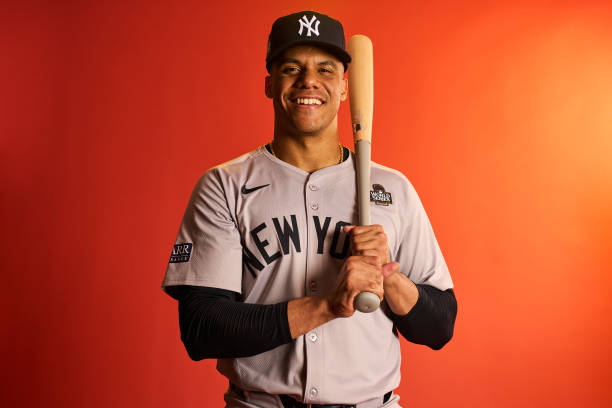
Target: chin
308,128
307,131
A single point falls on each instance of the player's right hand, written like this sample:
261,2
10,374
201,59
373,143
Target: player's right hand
358,274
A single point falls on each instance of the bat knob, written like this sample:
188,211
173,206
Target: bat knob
366,302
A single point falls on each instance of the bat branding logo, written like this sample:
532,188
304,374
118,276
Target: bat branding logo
379,196
304,23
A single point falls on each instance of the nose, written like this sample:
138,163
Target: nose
307,79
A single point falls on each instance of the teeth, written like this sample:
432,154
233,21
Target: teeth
308,101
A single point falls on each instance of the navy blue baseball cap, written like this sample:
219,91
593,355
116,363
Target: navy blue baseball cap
307,28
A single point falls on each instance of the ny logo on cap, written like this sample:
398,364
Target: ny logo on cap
308,24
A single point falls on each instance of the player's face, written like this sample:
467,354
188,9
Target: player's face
306,85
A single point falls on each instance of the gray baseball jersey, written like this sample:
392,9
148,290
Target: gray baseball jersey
273,232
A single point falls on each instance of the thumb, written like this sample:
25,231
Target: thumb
390,268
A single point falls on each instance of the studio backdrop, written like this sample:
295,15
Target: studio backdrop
499,113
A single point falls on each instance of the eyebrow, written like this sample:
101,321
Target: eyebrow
327,63
295,61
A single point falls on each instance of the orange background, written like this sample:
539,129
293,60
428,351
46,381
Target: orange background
500,113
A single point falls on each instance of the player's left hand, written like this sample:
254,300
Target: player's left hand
371,240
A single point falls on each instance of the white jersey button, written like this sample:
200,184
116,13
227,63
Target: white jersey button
315,206
313,187
313,393
313,337
313,285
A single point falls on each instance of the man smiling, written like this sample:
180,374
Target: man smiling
270,262
310,107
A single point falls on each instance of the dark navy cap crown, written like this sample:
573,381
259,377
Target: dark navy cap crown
307,28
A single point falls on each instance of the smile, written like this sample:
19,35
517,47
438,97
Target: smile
308,101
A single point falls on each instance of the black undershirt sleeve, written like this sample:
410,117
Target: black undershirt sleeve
432,319
215,324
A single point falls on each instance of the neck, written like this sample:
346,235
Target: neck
308,153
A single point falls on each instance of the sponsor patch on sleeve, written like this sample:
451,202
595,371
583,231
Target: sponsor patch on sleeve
181,252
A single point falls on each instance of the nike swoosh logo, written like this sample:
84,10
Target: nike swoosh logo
246,190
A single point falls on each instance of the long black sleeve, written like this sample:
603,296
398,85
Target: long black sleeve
432,319
214,324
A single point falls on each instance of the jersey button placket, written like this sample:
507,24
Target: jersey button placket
313,286
314,350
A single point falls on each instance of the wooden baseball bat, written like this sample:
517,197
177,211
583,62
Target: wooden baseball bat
361,93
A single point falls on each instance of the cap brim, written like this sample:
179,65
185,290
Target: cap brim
343,56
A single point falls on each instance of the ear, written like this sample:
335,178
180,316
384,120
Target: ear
268,86
344,88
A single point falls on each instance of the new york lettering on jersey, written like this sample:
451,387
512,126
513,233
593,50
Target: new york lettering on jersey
288,235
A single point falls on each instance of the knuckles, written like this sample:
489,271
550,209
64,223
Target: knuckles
364,242
352,263
358,263
361,273
365,228
342,311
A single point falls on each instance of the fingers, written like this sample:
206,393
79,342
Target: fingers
372,253
371,259
347,228
369,238
359,274
361,229
363,273
363,266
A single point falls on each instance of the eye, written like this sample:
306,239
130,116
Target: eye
290,69
327,70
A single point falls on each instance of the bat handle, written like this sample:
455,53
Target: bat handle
365,302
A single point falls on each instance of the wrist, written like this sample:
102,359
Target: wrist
391,275
401,293
324,308
304,314
323,311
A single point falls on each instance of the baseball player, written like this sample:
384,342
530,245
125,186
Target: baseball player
267,261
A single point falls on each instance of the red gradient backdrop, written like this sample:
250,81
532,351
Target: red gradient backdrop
500,113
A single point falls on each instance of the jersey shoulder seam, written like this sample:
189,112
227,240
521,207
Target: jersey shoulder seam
395,172
240,160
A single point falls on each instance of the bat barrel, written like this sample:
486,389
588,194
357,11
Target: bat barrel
361,86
